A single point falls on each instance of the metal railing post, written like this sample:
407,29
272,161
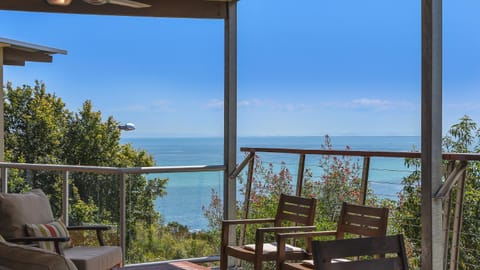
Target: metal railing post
123,213
364,187
248,190
65,196
301,173
457,222
4,179
447,208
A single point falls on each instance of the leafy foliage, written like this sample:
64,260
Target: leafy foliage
40,129
339,181
462,137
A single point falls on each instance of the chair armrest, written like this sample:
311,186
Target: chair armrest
282,238
89,227
226,227
30,239
259,236
33,238
247,221
305,234
97,228
288,229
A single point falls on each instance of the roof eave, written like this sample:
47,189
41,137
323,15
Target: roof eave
212,9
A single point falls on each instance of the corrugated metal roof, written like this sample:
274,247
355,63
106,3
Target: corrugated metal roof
17,52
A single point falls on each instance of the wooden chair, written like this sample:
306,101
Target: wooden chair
359,220
297,210
382,253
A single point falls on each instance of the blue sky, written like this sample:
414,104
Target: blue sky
313,67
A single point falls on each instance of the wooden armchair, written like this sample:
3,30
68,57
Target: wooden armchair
27,218
297,210
363,221
326,254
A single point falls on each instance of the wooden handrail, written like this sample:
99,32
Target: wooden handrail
392,154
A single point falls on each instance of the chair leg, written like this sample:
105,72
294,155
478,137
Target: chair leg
223,247
257,265
223,261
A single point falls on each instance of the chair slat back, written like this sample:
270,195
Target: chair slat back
384,253
295,209
362,220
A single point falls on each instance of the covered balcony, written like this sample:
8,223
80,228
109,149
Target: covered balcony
435,189
371,189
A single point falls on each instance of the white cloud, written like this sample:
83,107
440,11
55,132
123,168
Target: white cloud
372,104
272,104
252,103
214,104
365,102
463,106
291,107
218,104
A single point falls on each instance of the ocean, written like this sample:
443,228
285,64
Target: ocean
188,192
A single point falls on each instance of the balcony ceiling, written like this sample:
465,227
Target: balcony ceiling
16,53
214,9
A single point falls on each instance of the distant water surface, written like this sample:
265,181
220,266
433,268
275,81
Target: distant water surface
188,192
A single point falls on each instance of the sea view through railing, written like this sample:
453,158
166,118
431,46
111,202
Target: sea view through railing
188,192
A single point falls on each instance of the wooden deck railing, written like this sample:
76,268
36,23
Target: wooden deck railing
456,164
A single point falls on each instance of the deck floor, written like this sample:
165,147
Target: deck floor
168,266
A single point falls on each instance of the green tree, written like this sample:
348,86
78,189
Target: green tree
39,129
35,123
462,137
34,126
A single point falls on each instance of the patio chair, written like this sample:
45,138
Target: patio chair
358,220
291,210
28,218
386,253
13,256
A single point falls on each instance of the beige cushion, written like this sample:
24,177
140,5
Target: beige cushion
14,257
309,263
16,210
272,247
98,258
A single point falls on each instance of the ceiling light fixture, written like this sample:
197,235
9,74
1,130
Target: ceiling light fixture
59,2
